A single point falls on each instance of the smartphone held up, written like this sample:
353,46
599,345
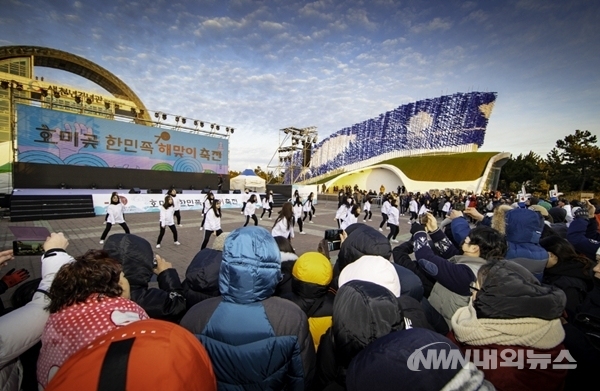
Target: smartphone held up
28,247
334,239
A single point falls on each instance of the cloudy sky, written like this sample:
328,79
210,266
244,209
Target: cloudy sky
260,66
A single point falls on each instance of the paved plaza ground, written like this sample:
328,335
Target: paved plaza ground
84,234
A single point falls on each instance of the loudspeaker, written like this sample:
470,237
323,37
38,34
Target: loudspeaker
206,190
135,190
237,192
154,191
179,190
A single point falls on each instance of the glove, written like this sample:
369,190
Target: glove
13,278
416,227
581,212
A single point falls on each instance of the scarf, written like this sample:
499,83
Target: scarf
529,332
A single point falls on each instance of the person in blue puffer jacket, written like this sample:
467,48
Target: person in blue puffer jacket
255,340
523,230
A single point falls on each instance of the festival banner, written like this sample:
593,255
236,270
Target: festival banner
55,137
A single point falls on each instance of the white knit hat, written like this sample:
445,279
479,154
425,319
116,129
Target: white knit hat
372,268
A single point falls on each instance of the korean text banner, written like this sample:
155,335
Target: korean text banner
53,137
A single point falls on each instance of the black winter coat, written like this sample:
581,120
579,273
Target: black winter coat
136,255
362,312
202,277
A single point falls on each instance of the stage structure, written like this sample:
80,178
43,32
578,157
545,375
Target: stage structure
451,125
294,158
54,135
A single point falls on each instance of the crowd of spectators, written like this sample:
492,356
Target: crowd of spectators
510,288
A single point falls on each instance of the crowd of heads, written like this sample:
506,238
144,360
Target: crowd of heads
252,314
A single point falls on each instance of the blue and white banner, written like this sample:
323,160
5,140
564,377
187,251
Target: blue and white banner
145,203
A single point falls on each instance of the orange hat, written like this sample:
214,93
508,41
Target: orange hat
145,355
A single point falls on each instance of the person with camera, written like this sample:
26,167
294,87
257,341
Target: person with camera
453,271
139,265
22,328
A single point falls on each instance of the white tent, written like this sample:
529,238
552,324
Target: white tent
248,180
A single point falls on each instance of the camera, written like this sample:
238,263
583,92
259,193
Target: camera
333,235
459,207
334,239
28,247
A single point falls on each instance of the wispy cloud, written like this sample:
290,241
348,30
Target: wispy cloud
434,24
260,66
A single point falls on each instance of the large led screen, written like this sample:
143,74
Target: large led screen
54,137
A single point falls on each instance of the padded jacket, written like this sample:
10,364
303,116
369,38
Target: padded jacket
202,277
136,255
362,312
255,341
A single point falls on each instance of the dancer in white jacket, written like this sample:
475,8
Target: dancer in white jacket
351,217
206,205
308,208
266,206
284,224
393,220
166,220
250,210
297,208
114,215
385,207
176,205
413,208
213,222
367,208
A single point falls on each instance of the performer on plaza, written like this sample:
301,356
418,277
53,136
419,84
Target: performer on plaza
266,206
270,199
167,211
385,207
312,204
176,205
284,223
245,198
393,220
307,208
250,210
114,215
213,222
367,208
413,208
351,217
343,210
206,205
297,208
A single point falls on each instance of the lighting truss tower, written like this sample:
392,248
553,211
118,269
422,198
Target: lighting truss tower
294,152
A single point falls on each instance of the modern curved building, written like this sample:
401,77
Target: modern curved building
424,145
